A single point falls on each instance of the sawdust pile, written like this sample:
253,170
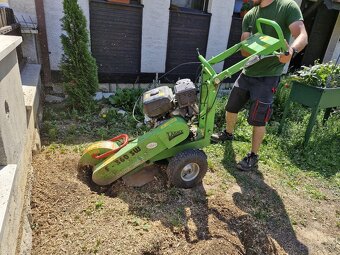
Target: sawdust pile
71,216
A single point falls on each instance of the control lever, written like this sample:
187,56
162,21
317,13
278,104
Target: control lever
198,51
254,59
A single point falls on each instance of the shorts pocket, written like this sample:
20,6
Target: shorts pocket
260,111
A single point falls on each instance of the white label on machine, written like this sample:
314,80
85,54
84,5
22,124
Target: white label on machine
151,145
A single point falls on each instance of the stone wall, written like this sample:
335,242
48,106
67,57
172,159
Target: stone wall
19,105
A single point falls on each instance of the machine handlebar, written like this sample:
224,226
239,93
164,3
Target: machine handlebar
277,28
206,66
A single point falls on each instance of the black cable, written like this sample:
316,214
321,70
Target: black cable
187,63
208,110
198,74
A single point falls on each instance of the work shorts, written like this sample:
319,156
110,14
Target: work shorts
260,92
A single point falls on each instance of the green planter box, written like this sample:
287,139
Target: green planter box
314,97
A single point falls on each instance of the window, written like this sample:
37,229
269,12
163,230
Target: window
190,5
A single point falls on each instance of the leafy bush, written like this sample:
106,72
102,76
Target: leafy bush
220,112
125,98
318,75
78,67
280,99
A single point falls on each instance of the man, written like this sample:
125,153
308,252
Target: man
258,82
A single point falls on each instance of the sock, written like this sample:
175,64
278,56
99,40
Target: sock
253,154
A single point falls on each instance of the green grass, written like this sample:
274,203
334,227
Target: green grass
285,156
100,203
67,126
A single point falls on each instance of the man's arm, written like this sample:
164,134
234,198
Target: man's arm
298,31
244,36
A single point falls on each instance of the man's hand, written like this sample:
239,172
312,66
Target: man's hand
298,31
284,59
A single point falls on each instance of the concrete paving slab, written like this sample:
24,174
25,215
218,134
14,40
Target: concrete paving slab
30,93
7,174
8,43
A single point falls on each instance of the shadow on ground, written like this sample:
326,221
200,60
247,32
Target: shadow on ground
260,200
212,225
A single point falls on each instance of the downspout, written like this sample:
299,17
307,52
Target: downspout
42,35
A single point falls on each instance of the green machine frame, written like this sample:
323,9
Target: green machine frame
172,137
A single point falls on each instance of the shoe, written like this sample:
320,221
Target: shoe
222,136
248,163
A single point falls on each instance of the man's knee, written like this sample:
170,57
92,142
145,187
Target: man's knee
259,113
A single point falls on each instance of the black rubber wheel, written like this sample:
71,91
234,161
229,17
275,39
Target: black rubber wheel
187,168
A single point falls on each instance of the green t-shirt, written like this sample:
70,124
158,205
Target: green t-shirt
284,12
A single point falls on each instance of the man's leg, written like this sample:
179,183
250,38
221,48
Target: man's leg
237,99
260,111
231,119
258,135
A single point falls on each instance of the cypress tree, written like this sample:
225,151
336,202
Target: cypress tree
78,67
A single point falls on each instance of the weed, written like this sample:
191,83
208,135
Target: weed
100,203
102,133
54,147
136,222
52,133
212,165
210,192
314,192
88,211
125,98
294,222
146,227
209,179
139,224
220,113
96,247
175,221
72,129
175,192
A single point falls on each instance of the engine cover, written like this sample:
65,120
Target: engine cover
185,93
158,101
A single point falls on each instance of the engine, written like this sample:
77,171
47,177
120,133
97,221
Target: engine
162,103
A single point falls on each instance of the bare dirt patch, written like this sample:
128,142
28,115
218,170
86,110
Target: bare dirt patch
72,216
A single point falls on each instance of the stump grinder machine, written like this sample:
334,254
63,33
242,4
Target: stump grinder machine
182,121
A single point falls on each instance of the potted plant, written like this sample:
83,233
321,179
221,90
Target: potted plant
246,6
317,87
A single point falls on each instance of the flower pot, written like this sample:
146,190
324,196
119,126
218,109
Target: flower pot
314,97
119,1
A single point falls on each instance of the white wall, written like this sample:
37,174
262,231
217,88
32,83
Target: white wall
53,14
25,12
17,132
154,35
332,51
222,11
12,110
